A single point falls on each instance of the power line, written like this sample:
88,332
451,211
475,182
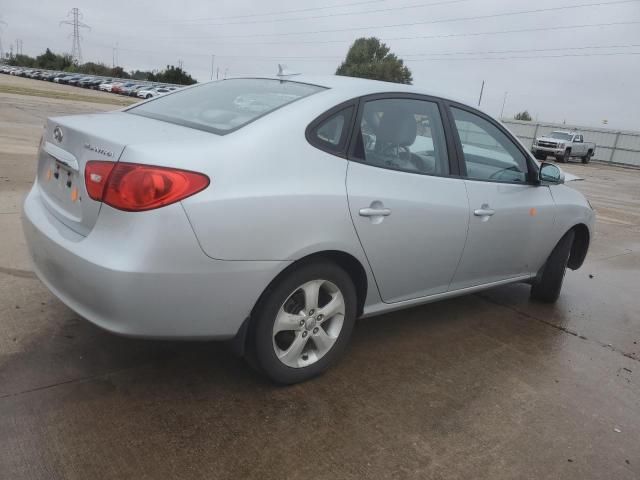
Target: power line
280,12
269,59
468,52
489,52
76,22
610,54
402,55
339,14
427,22
444,35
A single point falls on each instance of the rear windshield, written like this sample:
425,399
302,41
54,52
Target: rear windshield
224,106
560,135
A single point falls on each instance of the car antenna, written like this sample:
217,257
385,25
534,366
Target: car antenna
283,71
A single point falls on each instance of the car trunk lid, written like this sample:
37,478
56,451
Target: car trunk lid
67,145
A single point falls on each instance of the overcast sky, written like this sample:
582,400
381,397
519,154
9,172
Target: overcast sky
566,82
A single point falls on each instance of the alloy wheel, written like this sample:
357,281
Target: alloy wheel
308,323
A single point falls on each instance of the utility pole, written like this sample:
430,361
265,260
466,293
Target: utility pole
218,73
2,22
180,64
481,90
114,56
503,104
212,59
76,22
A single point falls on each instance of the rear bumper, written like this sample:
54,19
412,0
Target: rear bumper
144,274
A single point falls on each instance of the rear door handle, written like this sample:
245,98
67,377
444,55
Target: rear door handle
484,211
375,212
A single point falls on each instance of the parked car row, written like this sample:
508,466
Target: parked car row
131,88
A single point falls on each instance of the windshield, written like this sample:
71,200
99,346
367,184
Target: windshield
560,135
224,106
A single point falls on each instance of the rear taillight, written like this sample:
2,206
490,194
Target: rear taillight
96,175
134,188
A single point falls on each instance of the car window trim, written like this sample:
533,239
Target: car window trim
532,167
452,156
349,125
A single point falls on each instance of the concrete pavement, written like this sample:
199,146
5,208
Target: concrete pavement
485,386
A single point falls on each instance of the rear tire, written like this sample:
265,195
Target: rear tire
290,340
587,158
547,289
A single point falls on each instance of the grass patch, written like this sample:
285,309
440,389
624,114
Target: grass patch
33,92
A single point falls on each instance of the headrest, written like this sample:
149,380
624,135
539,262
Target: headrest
397,127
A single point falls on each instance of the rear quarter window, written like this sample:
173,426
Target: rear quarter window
224,106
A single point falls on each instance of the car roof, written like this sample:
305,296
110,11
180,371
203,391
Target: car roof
563,131
352,87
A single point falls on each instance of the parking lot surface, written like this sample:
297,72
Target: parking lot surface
485,386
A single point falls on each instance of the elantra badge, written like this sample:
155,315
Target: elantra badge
99,150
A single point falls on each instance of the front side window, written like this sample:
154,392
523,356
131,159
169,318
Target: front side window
489,154
403,134
224,106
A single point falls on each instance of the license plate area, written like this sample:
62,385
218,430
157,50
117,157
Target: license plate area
62,182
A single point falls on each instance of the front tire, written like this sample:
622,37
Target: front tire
303,323
564,158
547,289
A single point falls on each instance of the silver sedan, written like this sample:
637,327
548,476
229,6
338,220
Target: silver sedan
277,211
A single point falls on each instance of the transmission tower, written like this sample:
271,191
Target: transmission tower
75,19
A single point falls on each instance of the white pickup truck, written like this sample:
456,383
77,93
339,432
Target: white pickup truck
564,146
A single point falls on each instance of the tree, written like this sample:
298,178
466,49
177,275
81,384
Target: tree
525,116
370,58
22,60
175,75
54,61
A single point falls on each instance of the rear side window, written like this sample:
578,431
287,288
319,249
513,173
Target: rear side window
330,134
224,106
403,134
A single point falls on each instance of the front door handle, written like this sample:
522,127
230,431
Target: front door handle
484,211
375,212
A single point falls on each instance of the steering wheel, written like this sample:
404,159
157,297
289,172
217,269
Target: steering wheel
497,173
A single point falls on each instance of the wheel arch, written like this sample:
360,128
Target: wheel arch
348,262
580,246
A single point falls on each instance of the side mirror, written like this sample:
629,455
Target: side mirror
550,174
